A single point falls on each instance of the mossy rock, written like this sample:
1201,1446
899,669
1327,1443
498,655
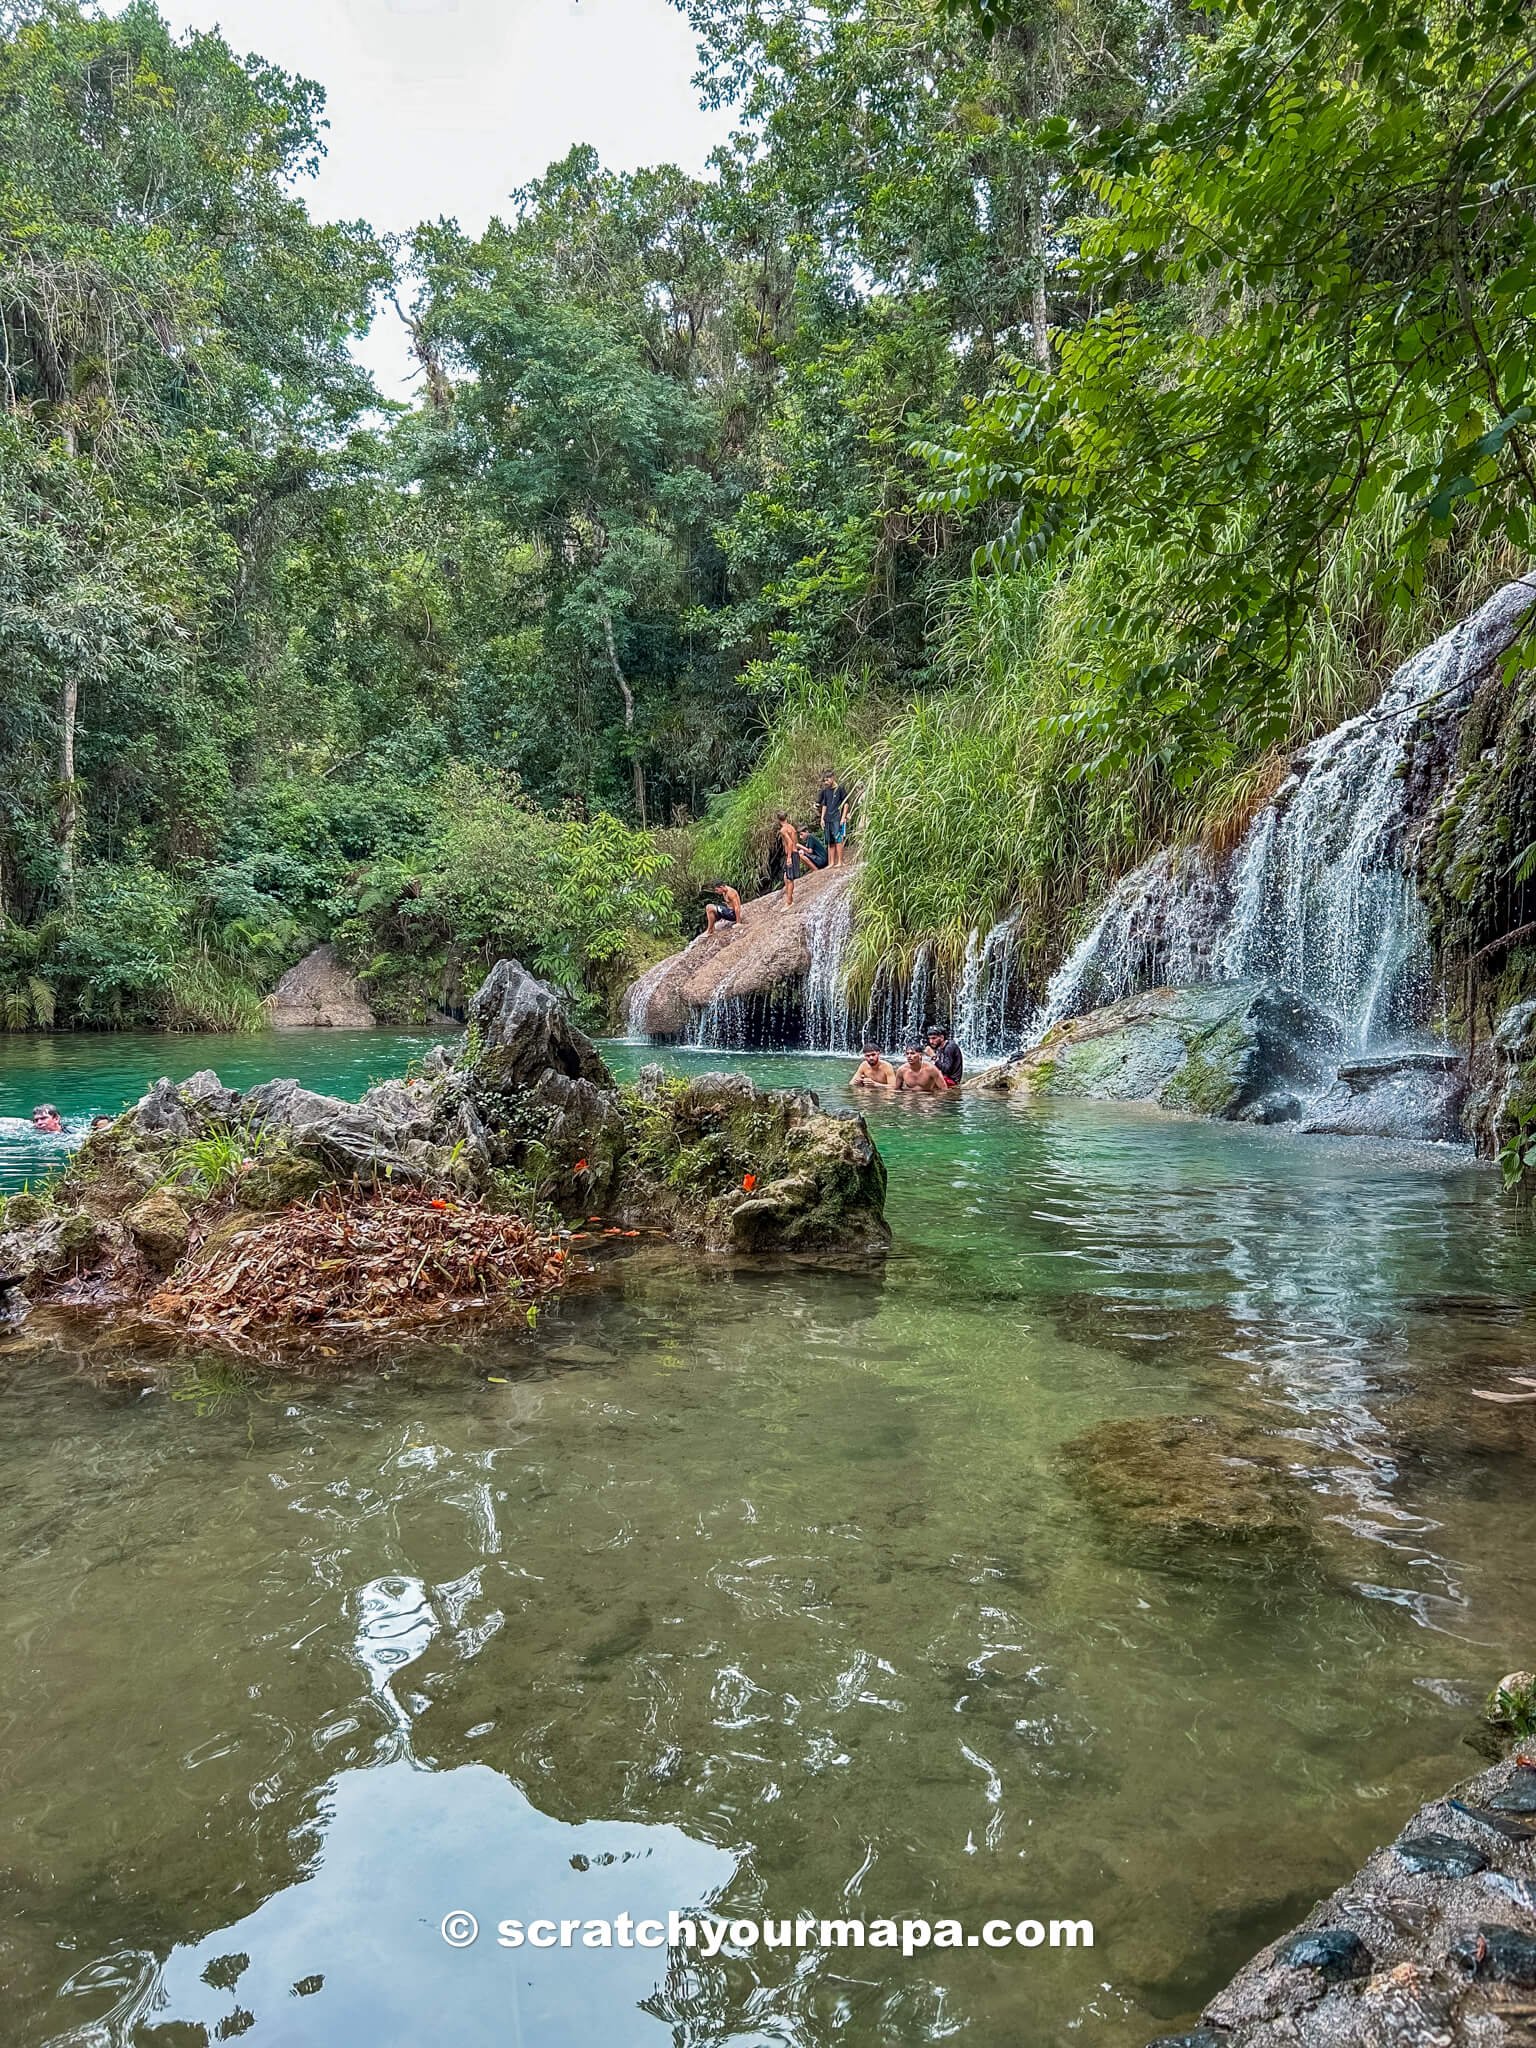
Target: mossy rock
24,1209
278,1179
1174,1482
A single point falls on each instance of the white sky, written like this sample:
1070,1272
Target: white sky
441,107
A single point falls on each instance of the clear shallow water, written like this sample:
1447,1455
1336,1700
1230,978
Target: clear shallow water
86,1074
760,1588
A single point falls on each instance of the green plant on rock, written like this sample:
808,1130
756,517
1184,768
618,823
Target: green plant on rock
214,1162
1517,1154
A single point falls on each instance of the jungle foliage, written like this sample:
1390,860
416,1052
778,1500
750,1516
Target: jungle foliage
1045,412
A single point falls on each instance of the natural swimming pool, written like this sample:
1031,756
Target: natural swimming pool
762,1587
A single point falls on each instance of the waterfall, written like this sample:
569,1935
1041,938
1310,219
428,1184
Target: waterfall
639,998
985,1022
826,1026
1319,895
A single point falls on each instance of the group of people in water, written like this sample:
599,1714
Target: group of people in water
48,1123
931,1069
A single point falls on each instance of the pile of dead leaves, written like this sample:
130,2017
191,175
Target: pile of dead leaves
356,1263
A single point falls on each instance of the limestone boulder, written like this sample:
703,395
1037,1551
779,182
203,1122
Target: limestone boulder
320,993
159,1229
737,1167
1248,1051
1395,1095
769,952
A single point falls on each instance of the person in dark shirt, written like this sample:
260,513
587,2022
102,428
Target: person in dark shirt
946,1055
814,849
832,802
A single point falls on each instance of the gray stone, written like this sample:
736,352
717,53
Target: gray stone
519,1031
322,993
1417,1095
1237,1051
1435,1855
159,1229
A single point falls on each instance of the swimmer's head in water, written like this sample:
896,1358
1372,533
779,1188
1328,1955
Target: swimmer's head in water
914,1055
46,1118
101,1123
872,1054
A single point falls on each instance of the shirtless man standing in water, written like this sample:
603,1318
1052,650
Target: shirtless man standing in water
919,1076
874,1070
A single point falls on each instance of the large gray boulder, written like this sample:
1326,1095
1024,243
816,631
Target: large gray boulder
1244,1050
518,1031
320,993
1395,1095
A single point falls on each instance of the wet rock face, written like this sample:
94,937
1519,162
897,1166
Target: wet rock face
1166,1485
321,992
1396,1095
1431,1945
1505,1099
1243,1051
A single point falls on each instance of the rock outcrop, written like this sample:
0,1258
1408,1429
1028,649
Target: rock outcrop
1395,1095
320,992
1431,1945
1503,1101
1246,1050
770,949
526,1114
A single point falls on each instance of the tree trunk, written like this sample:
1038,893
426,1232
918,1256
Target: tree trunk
69,805
629,717
1040,318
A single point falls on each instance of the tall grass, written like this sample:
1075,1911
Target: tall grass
981,800
828,725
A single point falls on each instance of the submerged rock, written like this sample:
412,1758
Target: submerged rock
1166,1482
1395,1095
1240,1050
320,993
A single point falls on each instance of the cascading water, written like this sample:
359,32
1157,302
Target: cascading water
826,1021
985,1020
1319,896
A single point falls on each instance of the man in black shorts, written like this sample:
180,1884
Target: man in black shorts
728,910
789,846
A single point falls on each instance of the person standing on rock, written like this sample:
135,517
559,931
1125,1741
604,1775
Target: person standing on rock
946,1055
874,1070
789,846
727,911
832,813
918,1076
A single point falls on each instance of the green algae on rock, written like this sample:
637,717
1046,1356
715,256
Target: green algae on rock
1234,1051
1161,1482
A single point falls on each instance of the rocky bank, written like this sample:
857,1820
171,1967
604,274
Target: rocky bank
1431,1945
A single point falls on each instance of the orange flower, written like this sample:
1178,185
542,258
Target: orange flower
435,1203
749,1181
581,1166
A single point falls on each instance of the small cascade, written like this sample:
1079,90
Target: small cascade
900,1008
827,1026
986,1011
1319,896
638,1002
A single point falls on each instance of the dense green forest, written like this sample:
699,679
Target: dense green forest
1046,412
